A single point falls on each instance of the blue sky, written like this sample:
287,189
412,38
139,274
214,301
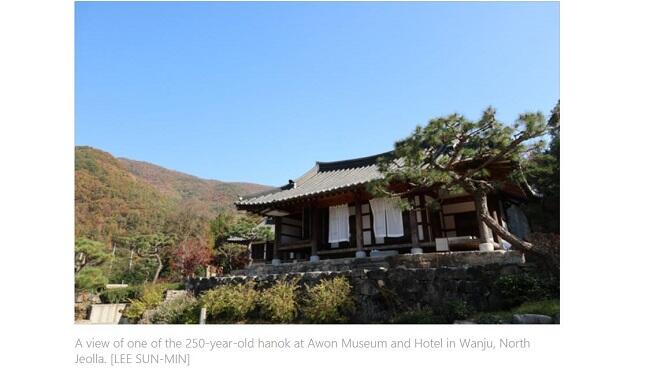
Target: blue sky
258,92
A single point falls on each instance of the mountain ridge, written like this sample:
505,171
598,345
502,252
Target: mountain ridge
122,196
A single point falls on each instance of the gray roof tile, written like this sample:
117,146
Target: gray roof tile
324,177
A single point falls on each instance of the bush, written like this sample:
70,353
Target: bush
517,289
418,317
121,295
455,310
151,297
549,307
280,302
329,301
90,279
446,313
165,286
181,310
490,318
230,303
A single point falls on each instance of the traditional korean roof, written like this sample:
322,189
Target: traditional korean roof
324,177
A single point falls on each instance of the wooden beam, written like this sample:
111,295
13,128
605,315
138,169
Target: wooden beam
278,235
358,221
336,251
315,230
295,247
413,222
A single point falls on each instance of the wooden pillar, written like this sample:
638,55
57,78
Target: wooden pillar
502,215
427,229
315,233
413,222
250,253
358,222
277,221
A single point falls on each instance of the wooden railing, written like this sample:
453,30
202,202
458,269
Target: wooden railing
464,244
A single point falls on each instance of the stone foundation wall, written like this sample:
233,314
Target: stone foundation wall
426,260
403,283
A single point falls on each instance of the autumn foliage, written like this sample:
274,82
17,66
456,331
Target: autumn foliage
190,255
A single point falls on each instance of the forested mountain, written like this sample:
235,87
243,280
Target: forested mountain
118,196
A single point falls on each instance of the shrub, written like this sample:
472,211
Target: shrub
90,279
165,286
230,303
418,317
517,289
549,307
446,313
121,295
455,310
280,302
152,296
490,318
181,310
329,301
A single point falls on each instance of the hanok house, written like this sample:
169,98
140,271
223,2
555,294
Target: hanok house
328,213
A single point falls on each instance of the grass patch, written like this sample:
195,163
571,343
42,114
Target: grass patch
549,307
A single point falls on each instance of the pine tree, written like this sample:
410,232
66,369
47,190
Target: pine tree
453,154
542,171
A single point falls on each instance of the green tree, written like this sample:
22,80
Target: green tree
89,253
232,256
90,279
542,172
220,227
227,225
455,154
157,246
90,256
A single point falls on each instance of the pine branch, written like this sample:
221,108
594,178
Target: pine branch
507,150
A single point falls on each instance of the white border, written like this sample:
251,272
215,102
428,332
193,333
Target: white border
605,84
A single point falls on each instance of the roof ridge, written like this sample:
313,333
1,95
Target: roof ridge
351,163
